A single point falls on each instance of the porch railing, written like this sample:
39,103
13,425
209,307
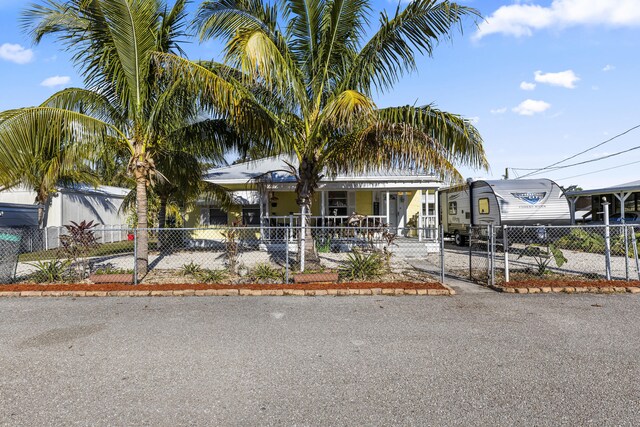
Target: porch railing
325,221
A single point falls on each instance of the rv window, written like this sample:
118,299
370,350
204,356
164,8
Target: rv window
453,208
483,206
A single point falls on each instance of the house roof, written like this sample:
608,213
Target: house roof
620,188
276,170
104,190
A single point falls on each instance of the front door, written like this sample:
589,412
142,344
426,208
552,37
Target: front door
401,211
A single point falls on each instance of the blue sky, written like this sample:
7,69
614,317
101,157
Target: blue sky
543,80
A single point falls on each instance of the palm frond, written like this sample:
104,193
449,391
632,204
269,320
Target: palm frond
390,53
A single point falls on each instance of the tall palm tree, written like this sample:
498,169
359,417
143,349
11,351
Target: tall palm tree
322,72
128,103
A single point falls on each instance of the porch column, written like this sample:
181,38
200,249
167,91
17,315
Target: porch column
572,209
436,207
424,202
388,211
622,197
261,200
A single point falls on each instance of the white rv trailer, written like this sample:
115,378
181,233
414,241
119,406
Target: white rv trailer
511,202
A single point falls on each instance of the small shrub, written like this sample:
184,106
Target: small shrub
50,271
266,272
191,269
211,276
363,266
323,246
78,244
543,256
109,269
231,248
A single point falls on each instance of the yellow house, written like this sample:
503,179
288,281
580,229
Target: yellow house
265,195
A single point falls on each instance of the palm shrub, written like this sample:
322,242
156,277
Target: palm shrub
363,266
315,78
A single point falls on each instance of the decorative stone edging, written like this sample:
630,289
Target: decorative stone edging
569,290
236,292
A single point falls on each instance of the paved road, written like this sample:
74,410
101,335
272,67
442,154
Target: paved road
472,359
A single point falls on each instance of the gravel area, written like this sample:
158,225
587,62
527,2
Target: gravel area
473,359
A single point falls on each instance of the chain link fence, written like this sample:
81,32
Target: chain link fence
230,255
553,253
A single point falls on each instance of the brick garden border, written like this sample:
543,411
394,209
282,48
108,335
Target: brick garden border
568,289
385,291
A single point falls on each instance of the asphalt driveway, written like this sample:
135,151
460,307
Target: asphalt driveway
472,359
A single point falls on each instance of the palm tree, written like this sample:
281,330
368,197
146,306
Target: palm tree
42,165
321,72
129,103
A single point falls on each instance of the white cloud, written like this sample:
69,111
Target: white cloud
16,53
527,86
498,110
609,67
566,79
531,107
56,81
474,120
523,19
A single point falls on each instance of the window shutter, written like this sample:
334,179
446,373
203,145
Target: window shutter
351,202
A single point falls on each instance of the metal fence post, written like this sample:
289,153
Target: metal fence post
505,251
493,255
303,232
607,239
470,253
635,250
135,256
441,254
626,253
488,254
286,243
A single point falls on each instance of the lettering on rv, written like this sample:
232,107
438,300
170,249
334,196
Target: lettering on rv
531,199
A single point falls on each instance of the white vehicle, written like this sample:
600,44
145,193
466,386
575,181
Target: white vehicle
511,202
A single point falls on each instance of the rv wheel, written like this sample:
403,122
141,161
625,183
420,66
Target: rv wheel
459,239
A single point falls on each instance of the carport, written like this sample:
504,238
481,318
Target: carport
623,197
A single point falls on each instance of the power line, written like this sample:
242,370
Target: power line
584,162
601,170
551,166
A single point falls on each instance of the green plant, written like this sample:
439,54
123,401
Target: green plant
323,245
211,276
231,248
78,244
191,269
112,270
543,255
265,272
363,266
50,271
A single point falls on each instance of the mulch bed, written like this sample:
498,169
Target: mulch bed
201,286
571,283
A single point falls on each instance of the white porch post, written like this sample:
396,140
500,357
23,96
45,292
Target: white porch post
388,210
622,197
572,209
261,200
436,207
424,202
323,195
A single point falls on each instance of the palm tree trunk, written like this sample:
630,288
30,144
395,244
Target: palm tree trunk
306,185
142,241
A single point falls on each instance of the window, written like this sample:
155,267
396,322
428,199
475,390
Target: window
453,208
251,215
483,206
338,203
217,216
